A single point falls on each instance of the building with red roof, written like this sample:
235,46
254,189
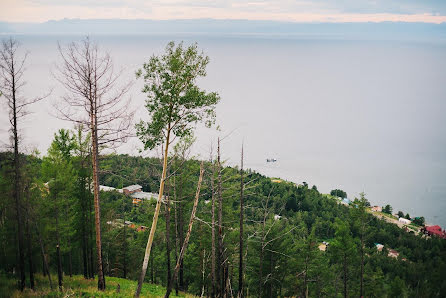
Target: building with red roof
434,231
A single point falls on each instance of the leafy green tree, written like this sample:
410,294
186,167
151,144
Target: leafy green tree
400,214
83,204
419,221
398,288
175,103
338,193
57,170
387,209
342,249
361,221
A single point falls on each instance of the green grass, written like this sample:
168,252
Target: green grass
77,286
384,214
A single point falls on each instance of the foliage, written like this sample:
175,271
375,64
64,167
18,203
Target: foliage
290,242
387,209
419,221
338,193
174,101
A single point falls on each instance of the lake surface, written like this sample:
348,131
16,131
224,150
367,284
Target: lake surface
360,115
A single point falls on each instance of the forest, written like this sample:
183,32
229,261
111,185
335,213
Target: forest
209,230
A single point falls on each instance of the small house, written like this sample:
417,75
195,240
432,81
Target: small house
142,195
322,247
141,229
132,189
393,253
404,220
377,209
379,246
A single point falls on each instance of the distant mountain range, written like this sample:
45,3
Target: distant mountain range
213,26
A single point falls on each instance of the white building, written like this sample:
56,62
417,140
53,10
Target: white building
404,220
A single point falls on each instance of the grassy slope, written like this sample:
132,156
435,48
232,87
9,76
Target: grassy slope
78,286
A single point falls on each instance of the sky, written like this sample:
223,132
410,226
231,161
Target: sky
429,11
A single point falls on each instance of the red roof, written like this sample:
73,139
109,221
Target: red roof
436,230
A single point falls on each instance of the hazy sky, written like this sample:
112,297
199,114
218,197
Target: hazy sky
432,11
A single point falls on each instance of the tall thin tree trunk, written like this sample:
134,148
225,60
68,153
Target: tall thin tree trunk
70,261
240,268
244,269
97,209
189,230
83,232
221,260
59,267
152,268
305,287
125,248
59,258
16,190
30,255
43,266
261,271
155,217
181,240
90,242
361,293
271,270
45,262
345,276
213,278
167,209
176,234
262,252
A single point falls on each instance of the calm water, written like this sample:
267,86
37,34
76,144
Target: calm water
352,114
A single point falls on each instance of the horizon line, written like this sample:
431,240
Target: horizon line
307,22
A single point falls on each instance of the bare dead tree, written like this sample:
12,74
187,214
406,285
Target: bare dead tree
222,271
94,100
12,68
213,277
240,273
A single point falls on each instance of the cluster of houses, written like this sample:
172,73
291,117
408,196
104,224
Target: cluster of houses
133,191
390,253
400,219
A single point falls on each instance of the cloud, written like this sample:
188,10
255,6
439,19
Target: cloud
432,11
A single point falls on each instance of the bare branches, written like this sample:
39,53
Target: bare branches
94,100
12,68
93,93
